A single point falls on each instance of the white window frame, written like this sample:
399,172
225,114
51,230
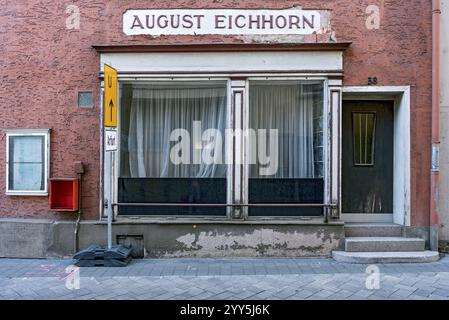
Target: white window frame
117,154
326,134
236,65
29,132
242,180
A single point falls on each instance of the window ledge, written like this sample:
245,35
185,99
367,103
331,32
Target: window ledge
223,220
26,193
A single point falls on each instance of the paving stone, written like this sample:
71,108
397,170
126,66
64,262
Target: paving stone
409,281
441,292
224,279
442,284
341,295
364,293
285,293
222,296
423,292
401,294
263,295
415,297
302,294
204,295
403,287
436,297
324,294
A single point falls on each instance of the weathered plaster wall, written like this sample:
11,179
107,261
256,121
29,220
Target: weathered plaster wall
42,65
41,238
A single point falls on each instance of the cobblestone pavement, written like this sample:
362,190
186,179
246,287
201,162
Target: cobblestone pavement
224,279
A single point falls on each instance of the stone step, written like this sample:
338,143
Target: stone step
377,244
373,230
386,257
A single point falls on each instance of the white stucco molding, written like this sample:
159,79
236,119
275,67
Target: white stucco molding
224,62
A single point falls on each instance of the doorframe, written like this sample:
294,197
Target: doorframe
401,151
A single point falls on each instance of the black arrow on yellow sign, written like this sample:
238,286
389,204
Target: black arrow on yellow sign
111,106
110,97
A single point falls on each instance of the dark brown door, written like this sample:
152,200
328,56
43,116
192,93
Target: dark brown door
367,177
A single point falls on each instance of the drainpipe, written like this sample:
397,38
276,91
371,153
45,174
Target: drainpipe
78,219
79,170
435,169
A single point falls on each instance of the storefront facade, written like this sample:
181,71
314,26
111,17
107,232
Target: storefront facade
251,130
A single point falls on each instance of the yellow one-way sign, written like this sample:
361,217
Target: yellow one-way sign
110,96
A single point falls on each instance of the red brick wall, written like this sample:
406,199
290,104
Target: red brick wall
42,65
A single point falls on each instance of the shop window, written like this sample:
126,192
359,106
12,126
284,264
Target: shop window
163,145
294,109
156,117
364,131
27,162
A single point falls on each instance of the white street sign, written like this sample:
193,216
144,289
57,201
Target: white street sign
110,140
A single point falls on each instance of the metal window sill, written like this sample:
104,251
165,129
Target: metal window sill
223,220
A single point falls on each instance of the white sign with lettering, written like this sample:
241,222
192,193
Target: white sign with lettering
110,140
220,21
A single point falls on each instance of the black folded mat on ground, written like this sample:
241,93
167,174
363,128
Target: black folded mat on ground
98,256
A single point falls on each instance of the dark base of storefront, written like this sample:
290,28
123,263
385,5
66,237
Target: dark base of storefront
184,238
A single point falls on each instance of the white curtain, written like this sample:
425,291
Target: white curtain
156,111
289,108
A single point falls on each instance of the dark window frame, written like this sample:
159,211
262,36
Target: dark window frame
356,162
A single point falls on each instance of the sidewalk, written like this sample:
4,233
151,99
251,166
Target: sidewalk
224,279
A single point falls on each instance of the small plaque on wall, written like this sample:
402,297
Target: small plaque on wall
110,140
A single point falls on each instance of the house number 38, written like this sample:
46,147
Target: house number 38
372,80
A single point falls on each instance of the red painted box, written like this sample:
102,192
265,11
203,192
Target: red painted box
64,194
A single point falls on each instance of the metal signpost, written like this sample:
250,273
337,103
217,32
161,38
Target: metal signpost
110,124
117,255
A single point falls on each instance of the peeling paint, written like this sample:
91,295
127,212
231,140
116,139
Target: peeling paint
258,242
326,34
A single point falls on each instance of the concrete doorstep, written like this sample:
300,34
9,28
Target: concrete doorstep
386,257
